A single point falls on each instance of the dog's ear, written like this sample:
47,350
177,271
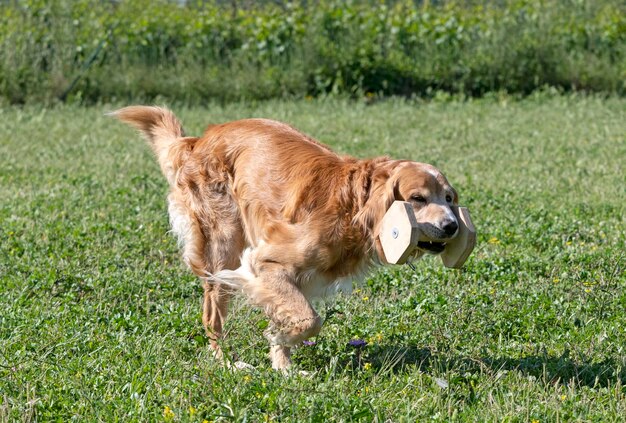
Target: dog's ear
383,191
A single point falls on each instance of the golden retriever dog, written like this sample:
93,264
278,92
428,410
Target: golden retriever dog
263,209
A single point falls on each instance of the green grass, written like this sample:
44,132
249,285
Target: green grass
100,321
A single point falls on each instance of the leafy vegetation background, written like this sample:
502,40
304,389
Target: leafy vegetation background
98,51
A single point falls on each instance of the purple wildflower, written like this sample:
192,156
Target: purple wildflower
308,343
357,343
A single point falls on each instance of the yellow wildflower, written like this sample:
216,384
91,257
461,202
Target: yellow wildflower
168,413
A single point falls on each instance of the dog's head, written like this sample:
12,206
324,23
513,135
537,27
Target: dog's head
430,194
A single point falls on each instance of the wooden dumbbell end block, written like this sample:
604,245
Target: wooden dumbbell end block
398,232
459,249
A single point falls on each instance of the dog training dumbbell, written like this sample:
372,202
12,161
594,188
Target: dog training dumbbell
399,235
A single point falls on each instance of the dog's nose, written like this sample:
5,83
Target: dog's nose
450,227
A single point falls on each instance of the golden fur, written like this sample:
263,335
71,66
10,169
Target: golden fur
260,207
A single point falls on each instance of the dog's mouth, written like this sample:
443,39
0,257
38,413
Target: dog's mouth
431,246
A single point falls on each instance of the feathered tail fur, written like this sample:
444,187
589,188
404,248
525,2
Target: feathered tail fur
162,130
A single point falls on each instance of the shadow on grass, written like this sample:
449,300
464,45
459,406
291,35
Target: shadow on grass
549,369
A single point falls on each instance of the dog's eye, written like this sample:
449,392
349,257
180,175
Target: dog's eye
449,198
418,198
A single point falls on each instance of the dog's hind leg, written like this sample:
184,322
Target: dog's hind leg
222,252
214,310
207,250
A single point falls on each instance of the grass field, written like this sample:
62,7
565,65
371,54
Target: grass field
100,321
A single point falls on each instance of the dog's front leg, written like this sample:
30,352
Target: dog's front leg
280,356
292,318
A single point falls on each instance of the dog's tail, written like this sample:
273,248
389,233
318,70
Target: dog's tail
164,133
239,278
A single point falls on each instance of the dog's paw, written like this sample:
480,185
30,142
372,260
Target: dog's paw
241,365
306,374
291,372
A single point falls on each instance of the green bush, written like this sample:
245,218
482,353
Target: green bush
92,51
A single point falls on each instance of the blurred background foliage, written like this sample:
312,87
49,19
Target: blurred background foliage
192,52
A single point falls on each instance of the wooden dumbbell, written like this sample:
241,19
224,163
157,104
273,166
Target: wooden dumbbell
461,246
399,234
